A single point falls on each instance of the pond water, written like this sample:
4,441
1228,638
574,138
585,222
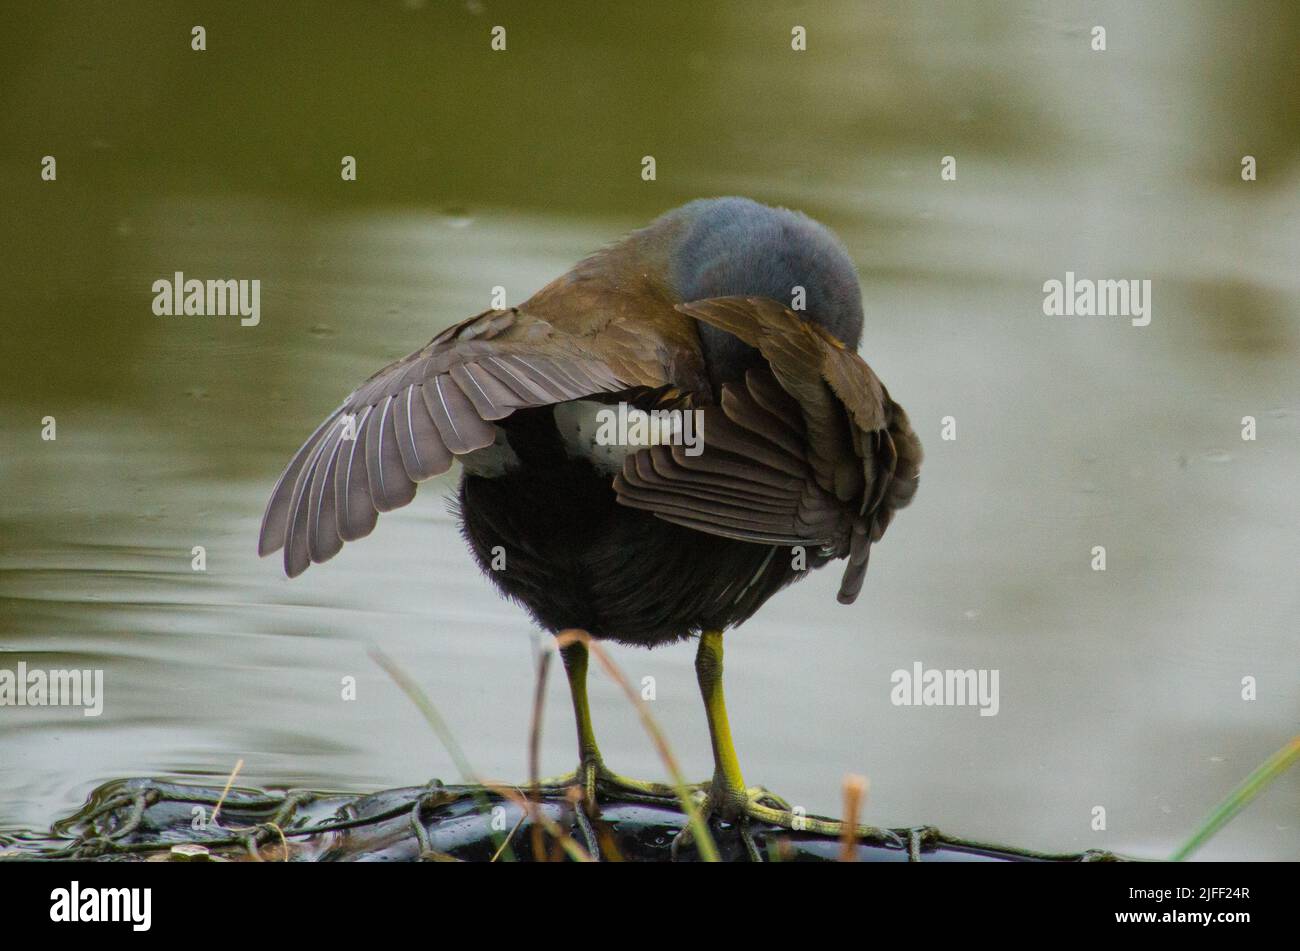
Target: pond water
1119,689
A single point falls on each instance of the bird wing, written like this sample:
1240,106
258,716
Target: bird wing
411,419
750,479
810,451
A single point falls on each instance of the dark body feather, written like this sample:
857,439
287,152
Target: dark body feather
574,557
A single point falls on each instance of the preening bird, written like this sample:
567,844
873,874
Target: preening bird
748,318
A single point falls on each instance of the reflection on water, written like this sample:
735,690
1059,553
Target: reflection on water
1119,689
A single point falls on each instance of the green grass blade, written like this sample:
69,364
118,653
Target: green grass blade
1255,783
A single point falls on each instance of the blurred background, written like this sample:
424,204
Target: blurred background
475,168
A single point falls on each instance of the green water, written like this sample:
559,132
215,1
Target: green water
477,168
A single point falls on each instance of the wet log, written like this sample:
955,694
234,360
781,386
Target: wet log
151,820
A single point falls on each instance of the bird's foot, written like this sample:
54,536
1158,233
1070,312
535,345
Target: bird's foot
734,806
592,778
757,805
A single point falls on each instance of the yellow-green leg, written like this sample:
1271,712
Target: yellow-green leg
728,795
589,761
591,775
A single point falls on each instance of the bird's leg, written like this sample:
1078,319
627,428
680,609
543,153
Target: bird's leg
589,762
591,775
728,796
727,793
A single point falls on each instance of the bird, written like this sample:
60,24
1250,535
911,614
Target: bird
755,446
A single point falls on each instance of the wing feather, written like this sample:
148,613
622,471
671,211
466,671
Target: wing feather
409,421
816,426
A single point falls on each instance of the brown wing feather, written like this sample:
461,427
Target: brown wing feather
409,421
858,442
752,480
